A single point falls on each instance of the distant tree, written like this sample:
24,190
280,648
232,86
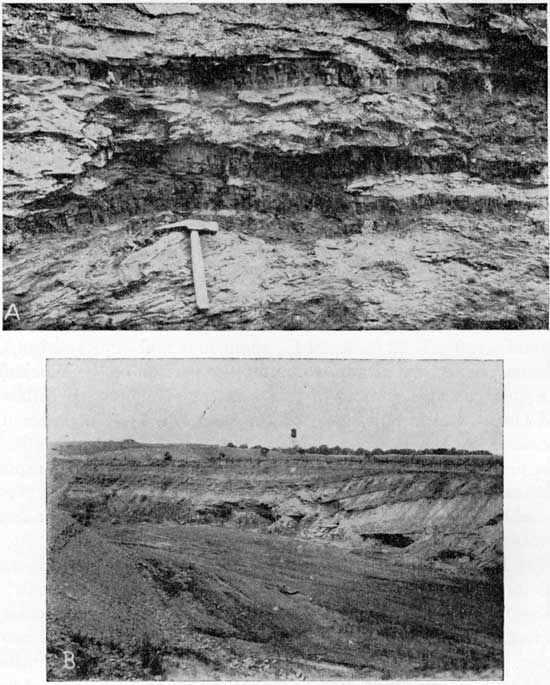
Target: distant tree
323,449
264,451
377,450
243,446
231,444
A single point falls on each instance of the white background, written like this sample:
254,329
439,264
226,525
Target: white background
526,457
526,358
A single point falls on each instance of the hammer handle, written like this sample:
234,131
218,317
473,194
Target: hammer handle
199,280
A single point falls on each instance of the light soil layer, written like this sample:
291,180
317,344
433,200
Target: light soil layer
369,167
232,564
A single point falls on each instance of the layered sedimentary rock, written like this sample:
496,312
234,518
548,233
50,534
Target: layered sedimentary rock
370,166
437,509
237,564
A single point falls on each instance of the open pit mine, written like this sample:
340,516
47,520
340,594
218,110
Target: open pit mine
198,562
367,166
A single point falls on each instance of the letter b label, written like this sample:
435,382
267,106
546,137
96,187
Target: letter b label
68,660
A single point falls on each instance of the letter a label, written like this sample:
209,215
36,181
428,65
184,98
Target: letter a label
12,313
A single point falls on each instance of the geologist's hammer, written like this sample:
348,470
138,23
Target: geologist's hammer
195,227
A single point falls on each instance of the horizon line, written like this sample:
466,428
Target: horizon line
231,445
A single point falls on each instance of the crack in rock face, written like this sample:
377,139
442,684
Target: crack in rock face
371,166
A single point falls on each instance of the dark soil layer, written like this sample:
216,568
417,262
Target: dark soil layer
369,166
254,566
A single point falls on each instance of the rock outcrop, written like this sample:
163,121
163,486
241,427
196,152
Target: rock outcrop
425,509
371,166
229,564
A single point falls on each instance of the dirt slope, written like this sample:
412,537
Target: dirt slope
255,566
370,167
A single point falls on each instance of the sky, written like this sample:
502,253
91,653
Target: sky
350,403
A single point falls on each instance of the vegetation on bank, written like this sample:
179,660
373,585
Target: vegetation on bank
363,452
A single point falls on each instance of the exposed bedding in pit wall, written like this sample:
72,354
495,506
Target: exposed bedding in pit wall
441,510
381,166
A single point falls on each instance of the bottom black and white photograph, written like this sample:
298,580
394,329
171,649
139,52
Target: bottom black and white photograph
274,519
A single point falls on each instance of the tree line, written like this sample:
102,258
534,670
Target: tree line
363,452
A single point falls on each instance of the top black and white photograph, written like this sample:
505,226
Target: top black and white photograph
275,166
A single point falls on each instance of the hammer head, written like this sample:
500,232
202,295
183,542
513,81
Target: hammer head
188,225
